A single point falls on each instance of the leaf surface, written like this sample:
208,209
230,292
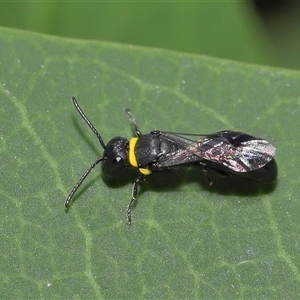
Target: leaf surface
234,239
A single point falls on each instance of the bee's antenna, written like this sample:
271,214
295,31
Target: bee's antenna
87,121
80,181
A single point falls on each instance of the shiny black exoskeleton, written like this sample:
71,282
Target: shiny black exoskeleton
226,152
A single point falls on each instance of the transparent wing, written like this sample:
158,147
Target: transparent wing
238,151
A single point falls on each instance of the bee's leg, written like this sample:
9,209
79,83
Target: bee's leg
210,182
217,172
133,123
140,179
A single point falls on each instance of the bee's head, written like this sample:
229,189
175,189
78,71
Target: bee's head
115,157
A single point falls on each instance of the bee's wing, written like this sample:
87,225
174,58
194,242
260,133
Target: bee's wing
237,151
187,153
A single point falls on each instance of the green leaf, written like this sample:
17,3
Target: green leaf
221,28
234,239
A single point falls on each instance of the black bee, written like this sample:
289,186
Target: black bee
226,152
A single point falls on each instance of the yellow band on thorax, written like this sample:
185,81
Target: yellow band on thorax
132,157
145,171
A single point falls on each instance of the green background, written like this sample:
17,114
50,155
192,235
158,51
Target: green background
224,29
232,240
